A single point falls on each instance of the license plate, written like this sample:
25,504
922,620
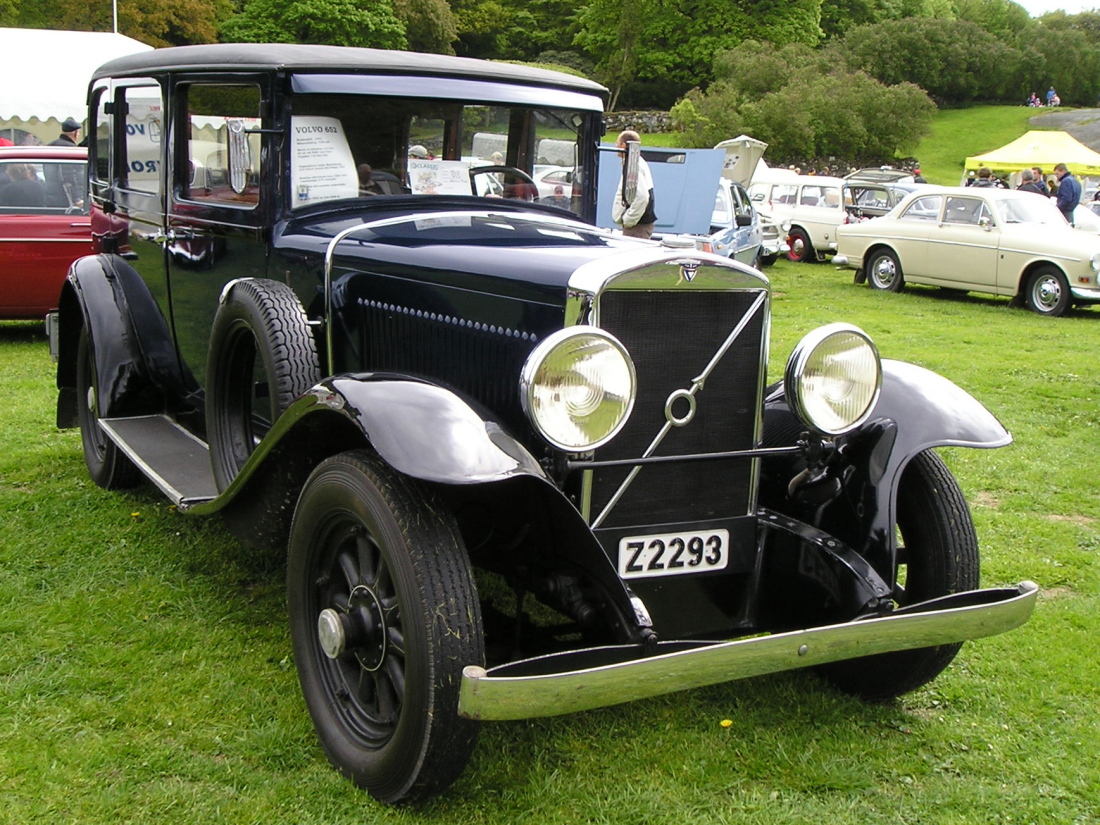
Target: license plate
673,554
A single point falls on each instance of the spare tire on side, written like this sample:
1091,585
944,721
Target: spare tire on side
262,357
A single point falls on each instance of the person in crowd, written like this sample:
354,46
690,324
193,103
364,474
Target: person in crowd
918,177
1069,191
1040,181
1027,182
985,178
418,152
638,216
558,199
970,179
1051,94
21,187
71,178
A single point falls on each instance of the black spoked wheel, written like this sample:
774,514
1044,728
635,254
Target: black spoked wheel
884,271
800,247
262,357
1048,292
938,556
384,616
108,466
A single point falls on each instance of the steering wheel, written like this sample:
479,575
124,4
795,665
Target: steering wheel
520,192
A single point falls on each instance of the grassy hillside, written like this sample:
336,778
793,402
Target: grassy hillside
959,133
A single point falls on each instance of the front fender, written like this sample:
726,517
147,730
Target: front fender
917,410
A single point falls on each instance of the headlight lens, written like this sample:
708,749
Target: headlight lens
578,388
833,378
1096,262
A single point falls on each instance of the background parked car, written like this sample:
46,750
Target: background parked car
988,240
43,228
816,205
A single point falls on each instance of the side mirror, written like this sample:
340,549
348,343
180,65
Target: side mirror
985,222
630,171
743,219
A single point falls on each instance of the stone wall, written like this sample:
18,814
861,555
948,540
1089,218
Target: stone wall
642,122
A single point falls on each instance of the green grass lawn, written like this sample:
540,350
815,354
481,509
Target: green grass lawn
145,671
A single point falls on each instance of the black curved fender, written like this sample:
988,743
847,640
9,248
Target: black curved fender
135,361
917,410
429,433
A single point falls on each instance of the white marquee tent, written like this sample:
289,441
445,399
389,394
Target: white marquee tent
46,77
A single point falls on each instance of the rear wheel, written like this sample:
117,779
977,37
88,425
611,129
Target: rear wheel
938,555
108,466
1048,292
884,271
801,248
383,616
262,357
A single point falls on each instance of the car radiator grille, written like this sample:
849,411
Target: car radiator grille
672,337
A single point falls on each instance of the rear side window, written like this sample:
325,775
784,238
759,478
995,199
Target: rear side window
143,148
223,144
34,187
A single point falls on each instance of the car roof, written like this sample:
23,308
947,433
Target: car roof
334,59
880,174
41,152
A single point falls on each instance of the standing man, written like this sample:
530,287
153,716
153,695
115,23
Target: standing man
71,179
1069,191
1027,182
1040,181
638,217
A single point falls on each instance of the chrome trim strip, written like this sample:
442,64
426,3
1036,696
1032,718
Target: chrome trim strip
696,385
955,618
1085,293
85,241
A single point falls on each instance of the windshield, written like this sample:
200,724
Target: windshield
1027,208
354,146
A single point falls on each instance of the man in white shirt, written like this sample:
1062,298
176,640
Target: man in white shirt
638,217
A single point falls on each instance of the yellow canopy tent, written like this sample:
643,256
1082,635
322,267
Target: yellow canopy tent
1042,149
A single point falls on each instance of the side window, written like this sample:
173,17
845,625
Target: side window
221,120
100,144
923,209
784,193
139,170
963,211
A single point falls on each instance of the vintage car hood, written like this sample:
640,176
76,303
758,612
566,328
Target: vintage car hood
526,252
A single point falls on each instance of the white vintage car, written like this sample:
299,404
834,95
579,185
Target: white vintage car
986,240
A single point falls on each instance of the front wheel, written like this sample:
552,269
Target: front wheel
1048,292
884,271
937,555
383,617
801,249
768,260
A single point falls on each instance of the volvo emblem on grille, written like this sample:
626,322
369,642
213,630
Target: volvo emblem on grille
688,270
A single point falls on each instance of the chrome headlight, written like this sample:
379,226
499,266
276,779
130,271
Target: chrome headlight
833,378
578,388
1095,262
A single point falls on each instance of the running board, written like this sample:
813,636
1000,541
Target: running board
582,680
175,461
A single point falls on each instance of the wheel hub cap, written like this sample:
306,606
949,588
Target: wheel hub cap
361,629
1048,294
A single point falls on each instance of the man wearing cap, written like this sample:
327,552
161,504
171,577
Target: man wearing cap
71,179
418,152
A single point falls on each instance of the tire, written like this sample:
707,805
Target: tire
884,271
1048,292
262,357
939,555
372,552
108,466
768,260
801,249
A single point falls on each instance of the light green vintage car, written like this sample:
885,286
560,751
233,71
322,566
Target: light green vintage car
977,239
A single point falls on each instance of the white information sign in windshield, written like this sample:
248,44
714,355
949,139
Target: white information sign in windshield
439,177
322,166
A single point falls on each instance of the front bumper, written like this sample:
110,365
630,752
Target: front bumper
597,677
1082,293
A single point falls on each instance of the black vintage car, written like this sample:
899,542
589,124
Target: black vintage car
523,466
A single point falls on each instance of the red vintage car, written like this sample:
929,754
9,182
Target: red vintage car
44,225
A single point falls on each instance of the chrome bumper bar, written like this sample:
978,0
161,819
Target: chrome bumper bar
611,675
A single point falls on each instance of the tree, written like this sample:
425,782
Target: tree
430,25
648,41
180,23
337,22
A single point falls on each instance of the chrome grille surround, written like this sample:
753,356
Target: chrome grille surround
687,319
